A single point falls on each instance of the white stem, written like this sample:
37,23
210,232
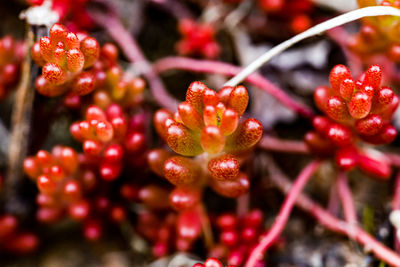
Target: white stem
317,29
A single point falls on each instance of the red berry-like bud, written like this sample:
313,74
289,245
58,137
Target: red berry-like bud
194,95
110,171
378,168
370,125
37,55
190,117
346,158
58,33
154,197
84,83
160,118
253,219
135,142
321,97
188,225
224,168
156,159
210,97
340,135
92,230
210,116
226,222
337,75
71,41
113,153
91,50
321,124
360,105
180,170
224,94
373,76
75,60
183,198
117,214
182,141
347,88
247,135
79,210
233,188
383,98
31,168
8,225
212,140
92,147
212,262
46,49
336,109
72,190
229,238
44,87
229,121
54,74
69,160
104,131
46,185
238,100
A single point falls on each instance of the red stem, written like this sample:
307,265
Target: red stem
333,203
283,215
209,66
132,51
346,199
332,223
276,144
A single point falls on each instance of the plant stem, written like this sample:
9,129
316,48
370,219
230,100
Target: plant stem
284,213
209,66
346,199
317,29
331,222
132,51
279,145
21,115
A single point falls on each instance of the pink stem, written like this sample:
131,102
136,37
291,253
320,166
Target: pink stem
276,144
396,206
394,159
346,199
132,51
283,215
333,203
209,66
334,224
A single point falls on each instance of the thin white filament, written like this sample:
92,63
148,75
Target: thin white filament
316,30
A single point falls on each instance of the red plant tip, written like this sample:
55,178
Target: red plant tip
247,135
340,135
338,74
234,188
184,198
212,140
224,168
360,105
182,140
180,170
373,76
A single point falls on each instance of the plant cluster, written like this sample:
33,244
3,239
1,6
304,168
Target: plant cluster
121,136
